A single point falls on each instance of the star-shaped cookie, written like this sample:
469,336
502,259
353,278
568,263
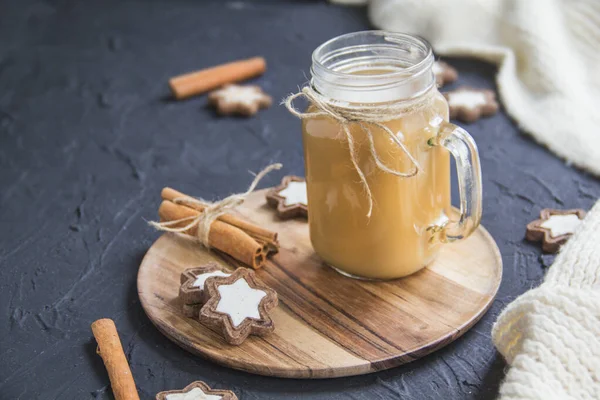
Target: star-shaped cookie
289,198
444,73
554,227
197,390
191,291
468,104
242,100
239,306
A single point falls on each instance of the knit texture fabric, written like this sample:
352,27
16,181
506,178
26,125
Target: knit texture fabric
546,50
550,336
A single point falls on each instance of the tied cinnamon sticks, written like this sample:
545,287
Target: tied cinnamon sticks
242,240
111,351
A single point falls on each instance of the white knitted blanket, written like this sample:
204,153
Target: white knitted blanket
548,52
550,336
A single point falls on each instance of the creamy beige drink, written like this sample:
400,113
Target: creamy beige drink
394,241
382,211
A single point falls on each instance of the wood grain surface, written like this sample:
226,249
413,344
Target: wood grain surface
328,325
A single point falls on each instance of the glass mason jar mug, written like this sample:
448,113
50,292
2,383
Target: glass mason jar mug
377,143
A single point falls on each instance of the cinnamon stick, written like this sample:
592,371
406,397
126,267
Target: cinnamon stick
198,82
111,351
257,232
222,236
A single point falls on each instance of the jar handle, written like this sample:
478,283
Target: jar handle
464,150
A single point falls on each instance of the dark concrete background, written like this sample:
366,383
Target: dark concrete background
89,135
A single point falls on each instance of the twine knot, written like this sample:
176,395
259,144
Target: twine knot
366,116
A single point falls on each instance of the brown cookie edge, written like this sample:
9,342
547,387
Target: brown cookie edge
276,201
222,322
226,394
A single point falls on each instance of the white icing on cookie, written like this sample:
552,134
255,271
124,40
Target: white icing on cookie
194,394
561,224
241,94
201,279
467,99
294,193
240,301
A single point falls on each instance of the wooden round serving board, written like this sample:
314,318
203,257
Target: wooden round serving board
328,325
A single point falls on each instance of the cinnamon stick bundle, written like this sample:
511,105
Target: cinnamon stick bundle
260,234
222,236
111,351
242,240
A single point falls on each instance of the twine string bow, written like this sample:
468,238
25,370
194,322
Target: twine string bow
365,117
212,211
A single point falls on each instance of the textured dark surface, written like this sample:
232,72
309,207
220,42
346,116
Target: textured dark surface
88,136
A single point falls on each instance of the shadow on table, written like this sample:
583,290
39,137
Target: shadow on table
492,379
97,365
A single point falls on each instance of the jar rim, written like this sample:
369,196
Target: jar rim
392,37
404,62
